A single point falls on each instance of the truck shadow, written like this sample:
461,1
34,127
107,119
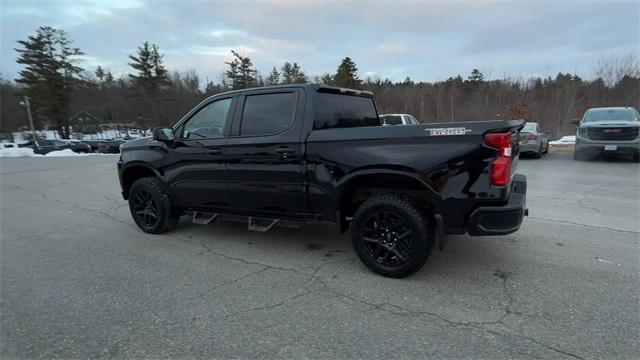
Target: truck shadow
317,244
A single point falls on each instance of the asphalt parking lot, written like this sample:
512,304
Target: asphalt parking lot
79,280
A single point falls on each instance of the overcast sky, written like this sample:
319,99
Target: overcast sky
424,40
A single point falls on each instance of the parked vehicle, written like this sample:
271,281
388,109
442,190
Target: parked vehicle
78,146
397,119
533,140
608,130
111,147
287,155
8,145
43,147
94,144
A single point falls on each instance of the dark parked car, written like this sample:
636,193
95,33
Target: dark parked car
78,146
111,146
610,130
94,144
533,140
287,155
46,146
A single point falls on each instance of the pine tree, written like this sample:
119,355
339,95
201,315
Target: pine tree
473,81
325,78
292,74
241,72
273,78
287,73
100,74
50,74
347,74
152,75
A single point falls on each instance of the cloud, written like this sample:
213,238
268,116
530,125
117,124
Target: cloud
424,40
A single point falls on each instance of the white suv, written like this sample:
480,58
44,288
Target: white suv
397,119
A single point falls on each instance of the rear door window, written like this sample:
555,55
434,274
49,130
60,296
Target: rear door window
266,114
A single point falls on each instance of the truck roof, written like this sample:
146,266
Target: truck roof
313,87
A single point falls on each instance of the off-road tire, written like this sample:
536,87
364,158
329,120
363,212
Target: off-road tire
422,238
166,215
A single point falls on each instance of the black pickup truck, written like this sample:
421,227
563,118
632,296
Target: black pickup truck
286,155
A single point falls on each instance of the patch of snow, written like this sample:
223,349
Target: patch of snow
565,140
65,152
17,152
28,152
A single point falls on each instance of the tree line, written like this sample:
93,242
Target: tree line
151,95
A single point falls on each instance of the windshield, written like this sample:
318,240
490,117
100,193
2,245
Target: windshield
596,115
529,127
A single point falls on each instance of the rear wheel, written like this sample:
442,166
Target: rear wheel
538,154
150,206
391,235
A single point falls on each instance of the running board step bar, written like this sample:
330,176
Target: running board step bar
261,224
203,218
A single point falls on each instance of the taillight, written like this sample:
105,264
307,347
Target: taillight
529,136
500,171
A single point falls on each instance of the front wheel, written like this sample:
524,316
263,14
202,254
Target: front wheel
151,207
391,235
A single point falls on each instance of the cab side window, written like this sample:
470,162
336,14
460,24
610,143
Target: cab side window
267,114
209,122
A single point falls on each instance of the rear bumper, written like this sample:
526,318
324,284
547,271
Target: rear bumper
532,147
501,220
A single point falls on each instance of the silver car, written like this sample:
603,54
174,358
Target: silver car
533,140
610,130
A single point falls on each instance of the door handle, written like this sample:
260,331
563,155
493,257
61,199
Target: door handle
214,151
284,150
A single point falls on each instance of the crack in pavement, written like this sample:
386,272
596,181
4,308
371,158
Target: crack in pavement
584,225
395,309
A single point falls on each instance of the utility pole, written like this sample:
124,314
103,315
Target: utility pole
27,105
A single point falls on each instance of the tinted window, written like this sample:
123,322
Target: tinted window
412,120
333,110
267,113
391,120
209,122
611,114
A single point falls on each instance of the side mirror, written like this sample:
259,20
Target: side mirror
575,121
163,134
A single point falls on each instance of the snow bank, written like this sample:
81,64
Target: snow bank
17,152
565,140
28,152
65,152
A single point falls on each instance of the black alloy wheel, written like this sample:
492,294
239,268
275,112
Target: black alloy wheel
146,208
392,235
151,207
388,238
